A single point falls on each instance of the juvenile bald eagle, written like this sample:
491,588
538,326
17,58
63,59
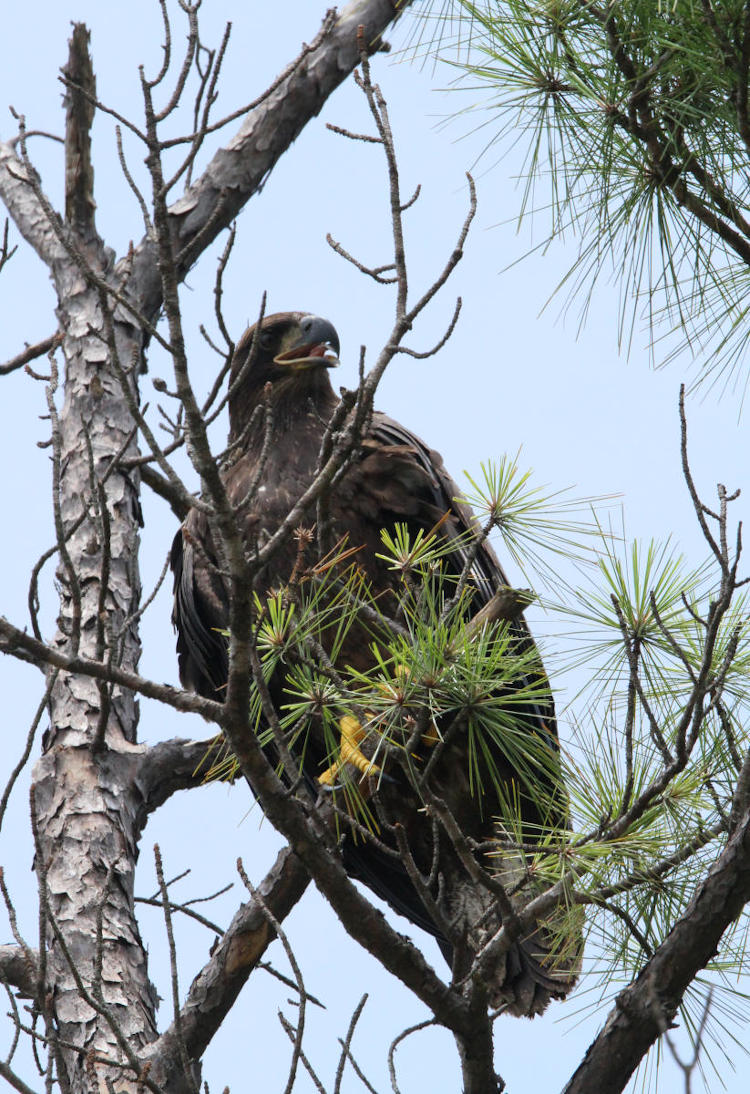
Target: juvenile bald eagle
393,479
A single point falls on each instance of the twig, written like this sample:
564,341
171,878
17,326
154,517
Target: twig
302,993
15,1081
147,222
129,620
396,1042
6,253
23,646
268,967
291,1033
31,963
39,349
422,355
375,272
29,745
688,1066
156,903
207,85
166,905
346,1045
366,137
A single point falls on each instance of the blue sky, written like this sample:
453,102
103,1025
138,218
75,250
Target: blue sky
513,376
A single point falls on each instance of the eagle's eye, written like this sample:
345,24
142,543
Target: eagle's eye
265,341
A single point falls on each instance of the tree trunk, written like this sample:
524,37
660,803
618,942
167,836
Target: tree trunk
83,793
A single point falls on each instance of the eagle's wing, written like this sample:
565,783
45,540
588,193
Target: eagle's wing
427,495
398,478
439,495
201,609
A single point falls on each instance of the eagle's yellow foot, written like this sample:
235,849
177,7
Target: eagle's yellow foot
351,734
431,736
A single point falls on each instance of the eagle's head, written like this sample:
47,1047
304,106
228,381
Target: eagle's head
292,352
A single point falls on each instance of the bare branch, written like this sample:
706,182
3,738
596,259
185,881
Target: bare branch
6,252
184,909
375,272
28,214
267,967
291,1034
265,134
40,711
79,171
346,1046
187,1070
39,349
368,138
17,1083
25,648
235,956
132,184
301,991
424,354
394,1045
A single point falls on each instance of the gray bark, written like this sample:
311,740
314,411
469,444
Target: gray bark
84,795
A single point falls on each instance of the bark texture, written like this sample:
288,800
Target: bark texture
84,796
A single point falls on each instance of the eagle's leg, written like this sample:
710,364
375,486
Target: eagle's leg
349,753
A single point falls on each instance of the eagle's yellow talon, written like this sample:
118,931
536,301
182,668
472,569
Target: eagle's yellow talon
351,734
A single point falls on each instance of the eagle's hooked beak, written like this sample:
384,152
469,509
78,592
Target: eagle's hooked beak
318,346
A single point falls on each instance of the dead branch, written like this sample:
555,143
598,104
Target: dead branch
15,1081
79,170
299,982
268,129
185,1064
39,349
394,1045
25,648
346,1051
6,252
171,766
235,956
290,1031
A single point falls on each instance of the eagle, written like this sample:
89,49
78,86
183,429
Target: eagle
392,487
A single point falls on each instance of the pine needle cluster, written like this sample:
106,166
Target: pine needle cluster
631,119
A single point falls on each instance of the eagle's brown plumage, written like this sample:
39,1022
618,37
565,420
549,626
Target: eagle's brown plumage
393,478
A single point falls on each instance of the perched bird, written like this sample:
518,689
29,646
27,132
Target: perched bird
392,479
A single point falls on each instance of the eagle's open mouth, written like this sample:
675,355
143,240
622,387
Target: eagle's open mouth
310,355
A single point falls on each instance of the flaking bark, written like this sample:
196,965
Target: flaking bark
83,793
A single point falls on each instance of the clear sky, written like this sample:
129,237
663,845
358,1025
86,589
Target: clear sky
511,377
